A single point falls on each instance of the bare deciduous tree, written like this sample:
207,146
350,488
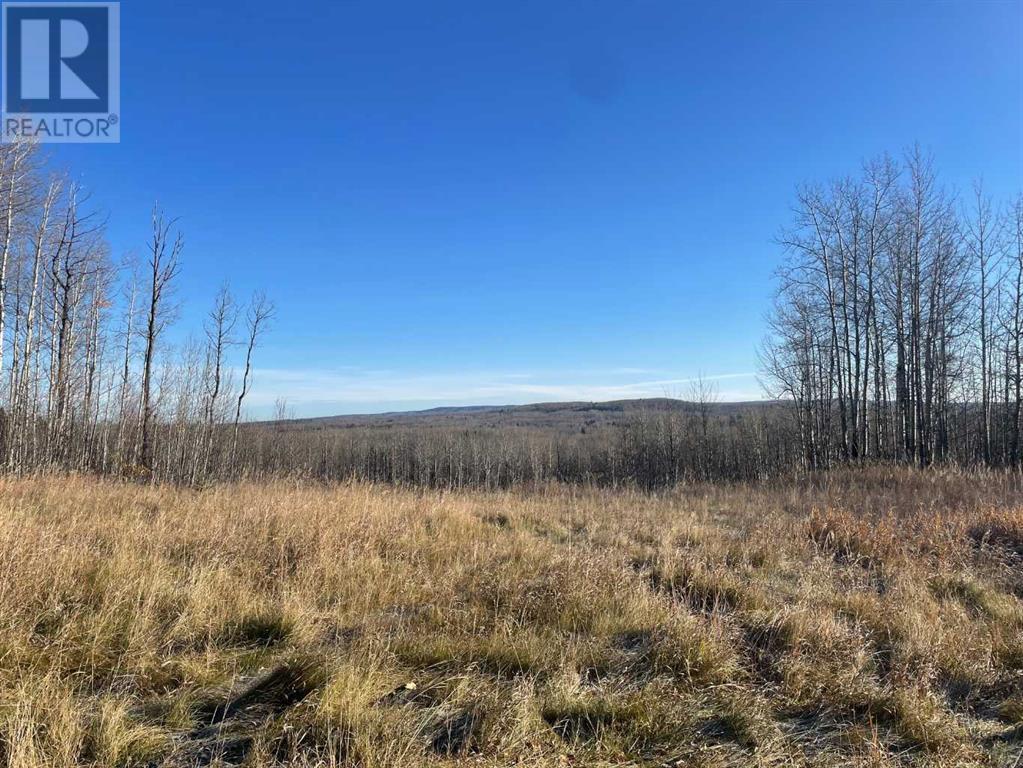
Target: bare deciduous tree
258,316
164,253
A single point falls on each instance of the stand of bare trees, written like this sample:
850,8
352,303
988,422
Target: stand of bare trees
897,325
655,450
87,380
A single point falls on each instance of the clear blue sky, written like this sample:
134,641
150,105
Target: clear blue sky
523,201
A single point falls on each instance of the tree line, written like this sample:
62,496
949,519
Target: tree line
895,336
695,440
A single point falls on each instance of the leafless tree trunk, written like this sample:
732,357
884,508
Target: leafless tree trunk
258,316
163,265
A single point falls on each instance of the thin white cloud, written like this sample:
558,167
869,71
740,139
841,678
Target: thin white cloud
321,392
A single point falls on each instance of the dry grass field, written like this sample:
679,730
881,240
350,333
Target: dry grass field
875,621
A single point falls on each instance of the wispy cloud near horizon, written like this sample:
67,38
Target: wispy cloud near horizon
347,390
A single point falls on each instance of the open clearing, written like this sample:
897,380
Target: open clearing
874,621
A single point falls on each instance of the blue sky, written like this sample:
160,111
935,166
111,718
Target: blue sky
461,203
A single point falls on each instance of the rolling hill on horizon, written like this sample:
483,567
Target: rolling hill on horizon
559,416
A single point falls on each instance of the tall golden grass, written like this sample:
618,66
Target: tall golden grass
873,619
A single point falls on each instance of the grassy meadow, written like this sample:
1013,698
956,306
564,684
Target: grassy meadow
876,619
